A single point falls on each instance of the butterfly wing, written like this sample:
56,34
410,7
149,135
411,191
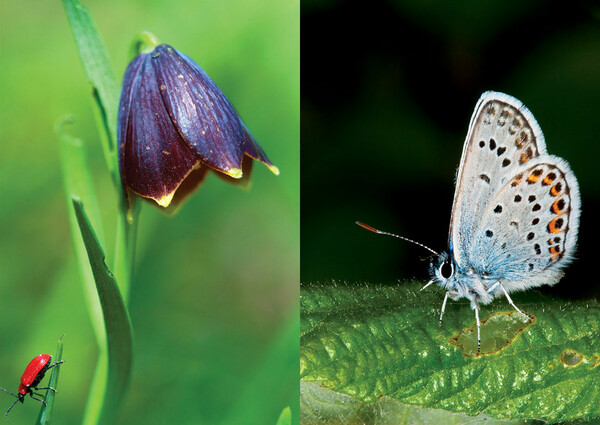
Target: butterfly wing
505,143
528,232
502,136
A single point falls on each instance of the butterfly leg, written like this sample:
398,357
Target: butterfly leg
494,286
478,330
444,307
428,283
510,301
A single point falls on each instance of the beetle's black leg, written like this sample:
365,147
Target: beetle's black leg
38,399
55,364
44,388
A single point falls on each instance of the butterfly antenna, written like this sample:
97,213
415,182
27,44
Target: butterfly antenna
381,232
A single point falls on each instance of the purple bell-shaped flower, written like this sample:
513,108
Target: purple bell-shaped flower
175,125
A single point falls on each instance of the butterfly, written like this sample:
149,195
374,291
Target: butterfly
515,214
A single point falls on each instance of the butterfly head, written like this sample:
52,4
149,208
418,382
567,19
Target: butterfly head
442,269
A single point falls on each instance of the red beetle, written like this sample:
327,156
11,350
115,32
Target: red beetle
34,373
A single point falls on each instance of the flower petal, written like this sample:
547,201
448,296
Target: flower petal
155,159
200,110
128,88
253,150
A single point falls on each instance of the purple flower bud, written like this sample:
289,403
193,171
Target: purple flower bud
175,124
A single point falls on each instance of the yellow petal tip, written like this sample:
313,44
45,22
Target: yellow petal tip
274,169
236,173
165,200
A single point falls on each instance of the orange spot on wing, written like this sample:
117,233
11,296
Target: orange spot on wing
555,251
535,176
526,156
548,179
556,189
555,226
557,206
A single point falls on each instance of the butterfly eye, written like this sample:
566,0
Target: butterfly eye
446,269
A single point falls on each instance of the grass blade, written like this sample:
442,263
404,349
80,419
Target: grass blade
286,417
116,320
46,410
78,182
96,62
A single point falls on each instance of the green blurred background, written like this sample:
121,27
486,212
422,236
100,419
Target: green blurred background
214,299
387,94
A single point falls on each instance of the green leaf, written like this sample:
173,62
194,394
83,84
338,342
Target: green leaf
46,410
374,341
286,417
114,360
116,319
322,406
96,62
78,183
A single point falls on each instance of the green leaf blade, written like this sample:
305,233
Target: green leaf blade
78,183
96,63
322,406
46,410
286,417
116,319
374,341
